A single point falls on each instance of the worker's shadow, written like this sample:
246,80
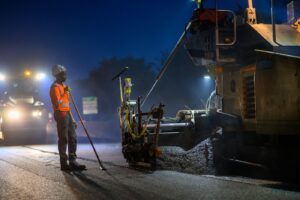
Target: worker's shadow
85,186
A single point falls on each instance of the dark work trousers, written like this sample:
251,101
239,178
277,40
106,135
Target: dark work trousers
66,136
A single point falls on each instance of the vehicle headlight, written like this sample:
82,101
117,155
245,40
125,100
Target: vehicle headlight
14,114
40,76
2,77
37,113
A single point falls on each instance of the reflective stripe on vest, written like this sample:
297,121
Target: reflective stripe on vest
62,104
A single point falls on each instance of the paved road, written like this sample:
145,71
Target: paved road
32,172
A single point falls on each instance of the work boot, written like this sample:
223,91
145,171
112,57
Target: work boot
76,166
65,167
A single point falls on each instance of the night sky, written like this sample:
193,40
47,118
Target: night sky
78,33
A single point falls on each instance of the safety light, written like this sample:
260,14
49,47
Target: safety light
37,113
27,73
2,77
40,76
207,77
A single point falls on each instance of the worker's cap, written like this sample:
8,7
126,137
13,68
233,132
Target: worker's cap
57,69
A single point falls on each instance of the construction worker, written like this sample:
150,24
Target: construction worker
66,124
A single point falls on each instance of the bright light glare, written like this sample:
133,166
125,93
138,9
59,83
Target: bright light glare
14,114
2,77
197,1
206,77
36,113
27,73
40,76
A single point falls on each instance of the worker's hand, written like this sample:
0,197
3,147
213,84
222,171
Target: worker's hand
75,124
67,89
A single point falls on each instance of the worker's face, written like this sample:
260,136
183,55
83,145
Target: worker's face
61,77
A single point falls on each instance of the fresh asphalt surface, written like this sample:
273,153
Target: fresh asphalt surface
32,172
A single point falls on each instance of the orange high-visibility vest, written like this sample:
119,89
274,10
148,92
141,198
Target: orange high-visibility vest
60,99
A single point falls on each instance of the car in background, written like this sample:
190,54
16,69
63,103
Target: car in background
24,120
23,116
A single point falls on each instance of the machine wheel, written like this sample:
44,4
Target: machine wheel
149,155
221,164
7,139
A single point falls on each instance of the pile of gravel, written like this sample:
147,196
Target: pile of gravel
198,160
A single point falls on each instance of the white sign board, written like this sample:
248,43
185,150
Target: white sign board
90,105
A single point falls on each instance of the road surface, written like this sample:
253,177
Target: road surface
32,172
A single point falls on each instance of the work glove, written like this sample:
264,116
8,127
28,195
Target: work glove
67,89
75,124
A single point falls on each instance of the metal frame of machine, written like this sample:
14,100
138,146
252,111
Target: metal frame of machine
255,104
